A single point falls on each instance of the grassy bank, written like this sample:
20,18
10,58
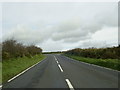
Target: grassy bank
14,66
0,72
109,63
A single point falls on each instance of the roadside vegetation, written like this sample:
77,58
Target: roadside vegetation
0,72
12,49
106,57
16,65
0,63
16,57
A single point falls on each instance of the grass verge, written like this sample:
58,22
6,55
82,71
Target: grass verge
14,66
0,72
109,63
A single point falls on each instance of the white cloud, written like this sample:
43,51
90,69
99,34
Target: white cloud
59,26
106,37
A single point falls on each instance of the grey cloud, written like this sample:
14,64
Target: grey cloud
68,31
50,45
25,35
68,25
69,34
73,30
91,27
74,40
80,24
97,44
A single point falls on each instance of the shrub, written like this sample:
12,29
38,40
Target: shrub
105,53
11,48
5,55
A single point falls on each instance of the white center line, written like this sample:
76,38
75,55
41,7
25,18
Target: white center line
60,68
55,58
57,62
0,86
69,84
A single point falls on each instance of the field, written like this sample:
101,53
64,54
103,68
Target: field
14,66
109,63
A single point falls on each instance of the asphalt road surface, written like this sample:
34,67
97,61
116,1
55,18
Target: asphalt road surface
58,71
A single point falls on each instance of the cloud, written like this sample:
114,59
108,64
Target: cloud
69,31
50,45
60,24
97,44
25,35
78,29
105,37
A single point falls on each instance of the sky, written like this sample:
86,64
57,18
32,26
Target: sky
56,26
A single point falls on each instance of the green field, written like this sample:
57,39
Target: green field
109,63
14,66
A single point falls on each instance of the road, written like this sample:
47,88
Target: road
58,71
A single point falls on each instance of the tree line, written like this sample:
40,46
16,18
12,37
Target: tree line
103,53
12,49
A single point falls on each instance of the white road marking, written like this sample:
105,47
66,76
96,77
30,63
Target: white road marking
60,68
23,72
69,84
57,62
0,86
55,58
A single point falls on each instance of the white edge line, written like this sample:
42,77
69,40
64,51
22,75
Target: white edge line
69,84
60,68
94,65
23,71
